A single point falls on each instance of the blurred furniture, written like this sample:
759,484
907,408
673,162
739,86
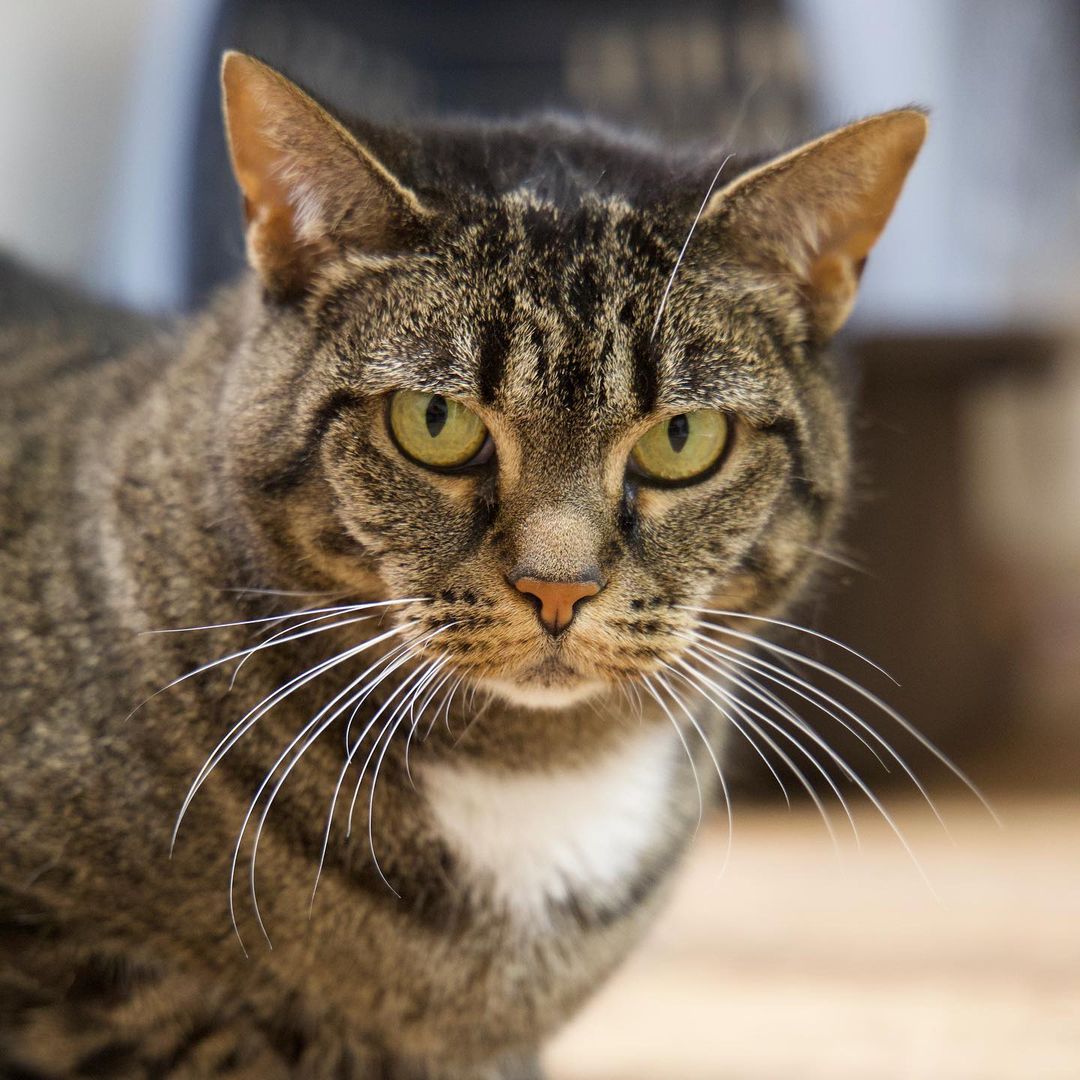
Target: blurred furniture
922,598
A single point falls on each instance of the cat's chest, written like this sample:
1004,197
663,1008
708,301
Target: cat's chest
529,841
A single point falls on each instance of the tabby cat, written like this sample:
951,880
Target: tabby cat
369,643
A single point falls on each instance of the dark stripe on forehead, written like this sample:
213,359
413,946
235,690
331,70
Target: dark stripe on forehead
539,349
583,293
645,374
540,229
572,381
493,343
642,245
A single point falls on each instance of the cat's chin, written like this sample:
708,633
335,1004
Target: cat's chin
536,694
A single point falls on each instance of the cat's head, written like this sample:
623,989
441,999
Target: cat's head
526,372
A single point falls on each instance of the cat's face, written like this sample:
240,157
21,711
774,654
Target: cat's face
513,410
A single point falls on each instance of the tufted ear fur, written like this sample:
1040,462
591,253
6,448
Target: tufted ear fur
816,212
309,186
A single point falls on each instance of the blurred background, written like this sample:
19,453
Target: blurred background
960,572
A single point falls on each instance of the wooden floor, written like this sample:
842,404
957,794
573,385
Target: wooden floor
797,965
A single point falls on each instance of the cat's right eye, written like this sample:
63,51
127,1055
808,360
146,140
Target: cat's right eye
682,449
437,431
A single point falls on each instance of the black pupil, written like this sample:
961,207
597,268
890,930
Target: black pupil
435,415
678,431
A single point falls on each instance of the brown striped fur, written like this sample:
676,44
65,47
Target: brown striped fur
152,477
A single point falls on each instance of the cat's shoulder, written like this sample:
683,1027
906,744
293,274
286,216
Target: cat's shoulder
50,329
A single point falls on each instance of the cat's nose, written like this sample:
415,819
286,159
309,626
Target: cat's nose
556,598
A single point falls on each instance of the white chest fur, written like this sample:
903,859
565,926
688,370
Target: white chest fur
537,837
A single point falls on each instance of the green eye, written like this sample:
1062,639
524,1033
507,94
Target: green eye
682,448
435,430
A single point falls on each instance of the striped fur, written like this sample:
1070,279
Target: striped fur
155,477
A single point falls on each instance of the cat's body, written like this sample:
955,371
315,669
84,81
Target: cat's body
164,483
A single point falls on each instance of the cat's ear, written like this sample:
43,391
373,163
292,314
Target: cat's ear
309,186
815,213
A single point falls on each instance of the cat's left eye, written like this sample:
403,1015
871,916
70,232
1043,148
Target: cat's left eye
437,431
682,449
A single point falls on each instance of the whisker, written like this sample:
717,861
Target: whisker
716,765
789,626
320,725
685,746
865,789
328,611
341,778
417,719
704,685
686,244
418,688
310,740
747,712
477,715
788,679
263,707
867,695
280,638
791,683
286,592
840,560
414,646
246,652
446,711
399,655
757,749
395,718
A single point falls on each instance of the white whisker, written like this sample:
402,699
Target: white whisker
789,626
247,652
414,644
263,707
851,684
419,717
735,724
716,765
280,637
478,714
327,611
807,691
685,746
320,725
403,711
875,801
446,710
704,685
748,712
686,244
788,679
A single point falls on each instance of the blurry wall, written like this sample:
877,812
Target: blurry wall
988,229
66,75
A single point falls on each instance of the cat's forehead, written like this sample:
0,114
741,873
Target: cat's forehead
558,312
548,312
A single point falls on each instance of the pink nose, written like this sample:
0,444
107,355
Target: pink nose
557,599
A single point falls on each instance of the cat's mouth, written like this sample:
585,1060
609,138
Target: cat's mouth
551,683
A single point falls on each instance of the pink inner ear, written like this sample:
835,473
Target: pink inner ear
819,210
308,185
